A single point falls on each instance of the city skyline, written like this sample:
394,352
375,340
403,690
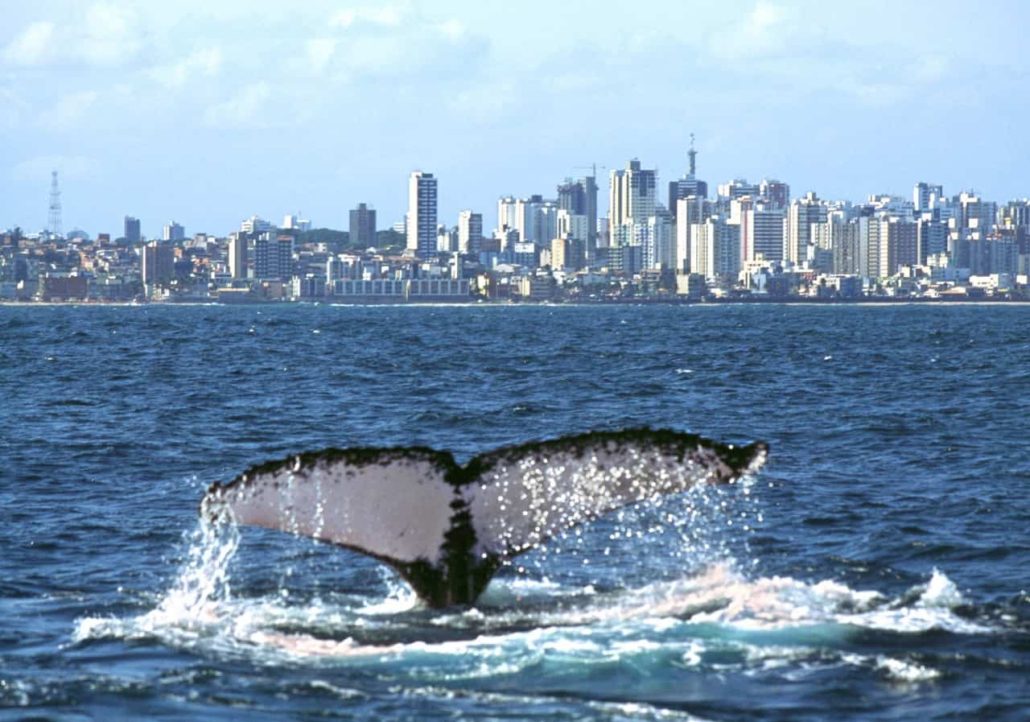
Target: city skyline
177,114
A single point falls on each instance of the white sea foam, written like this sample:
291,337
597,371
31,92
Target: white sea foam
903,671
717,618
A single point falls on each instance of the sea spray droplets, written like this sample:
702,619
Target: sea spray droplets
204,578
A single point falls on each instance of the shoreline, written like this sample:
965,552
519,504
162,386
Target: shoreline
506,303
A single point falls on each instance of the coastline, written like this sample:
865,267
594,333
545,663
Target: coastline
507,303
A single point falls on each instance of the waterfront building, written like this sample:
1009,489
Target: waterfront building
868,246
898,245
803,214
715,249
506,215
931,235
470,232
421,221
761,231
157,263
273,256
689,212
446,239
237,255
536,219
656,240
631,200
568,254
689,184
362,226
579,198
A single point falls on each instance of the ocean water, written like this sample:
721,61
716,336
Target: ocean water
876,568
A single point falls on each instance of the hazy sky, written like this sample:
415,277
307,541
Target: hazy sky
208,112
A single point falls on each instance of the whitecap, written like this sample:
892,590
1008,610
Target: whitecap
902,671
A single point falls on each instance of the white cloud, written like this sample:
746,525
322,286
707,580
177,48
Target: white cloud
108,35
206,62
243,110
388,16
34,46
70,110
763,32
392,41
452,29
105,34
38,169
319,52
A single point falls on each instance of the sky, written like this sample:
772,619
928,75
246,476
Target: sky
210,112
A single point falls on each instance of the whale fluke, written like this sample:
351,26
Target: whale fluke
447,528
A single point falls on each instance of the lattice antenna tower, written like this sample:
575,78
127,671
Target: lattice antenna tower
55,206
693,156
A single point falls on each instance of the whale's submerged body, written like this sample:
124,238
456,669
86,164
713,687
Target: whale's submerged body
447,528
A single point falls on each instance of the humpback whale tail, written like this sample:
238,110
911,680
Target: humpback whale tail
447,528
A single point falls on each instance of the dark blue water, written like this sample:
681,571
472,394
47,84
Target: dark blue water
877,568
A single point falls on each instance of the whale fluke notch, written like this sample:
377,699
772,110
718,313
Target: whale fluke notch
447,528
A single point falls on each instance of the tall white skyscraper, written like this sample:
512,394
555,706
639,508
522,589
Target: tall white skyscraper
422,214
238,255
470,231
631,194
689,212
506,213
803,214
761,233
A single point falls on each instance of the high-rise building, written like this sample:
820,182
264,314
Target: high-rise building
506,214
446,239
689,212
422,214
238,255
579,198
363,226
567,254
869,246
775,193
631,196
715,249
898,245
172,231
737,188
931,235
273,256
256,224
689,184
470,232
802,215
573,225
926,196
157,263
761,233
843,241
296,222
536,219
131,230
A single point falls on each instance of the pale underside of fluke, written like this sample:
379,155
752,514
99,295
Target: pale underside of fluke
447,528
